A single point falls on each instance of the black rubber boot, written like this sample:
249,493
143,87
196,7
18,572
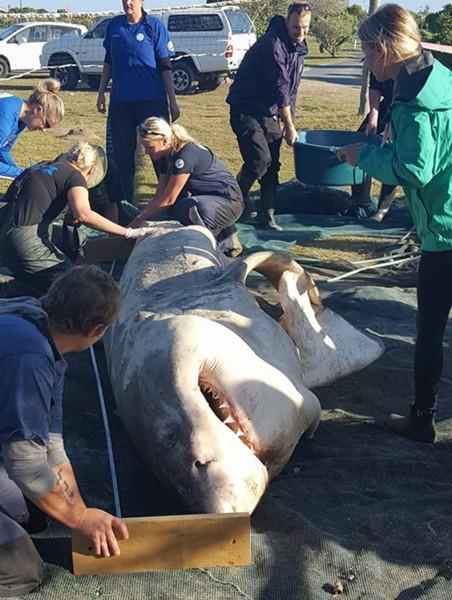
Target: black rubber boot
267,211
245,184
418,425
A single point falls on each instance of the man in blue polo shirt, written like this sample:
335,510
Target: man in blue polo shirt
33,464
137,58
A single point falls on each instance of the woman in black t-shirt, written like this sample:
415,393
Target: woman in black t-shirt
36,198
194,185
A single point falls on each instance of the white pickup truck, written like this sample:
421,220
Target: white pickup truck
209,44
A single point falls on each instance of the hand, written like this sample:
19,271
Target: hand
137,232
104,531
349,153
101,106
290,135
174,111
371,126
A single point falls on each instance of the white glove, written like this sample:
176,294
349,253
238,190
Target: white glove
132,234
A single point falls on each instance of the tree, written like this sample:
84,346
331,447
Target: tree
373,5
357,11
439,26
332,30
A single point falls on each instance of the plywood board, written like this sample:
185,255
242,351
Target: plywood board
176,542
98,250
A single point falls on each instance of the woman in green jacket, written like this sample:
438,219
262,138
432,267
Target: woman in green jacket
420,160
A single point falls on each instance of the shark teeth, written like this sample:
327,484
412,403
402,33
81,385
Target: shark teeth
229,419
239,433
224,405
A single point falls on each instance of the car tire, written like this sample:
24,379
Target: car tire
184,77
67,76
208,85
93,81
4,68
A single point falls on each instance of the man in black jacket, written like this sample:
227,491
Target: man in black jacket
263,94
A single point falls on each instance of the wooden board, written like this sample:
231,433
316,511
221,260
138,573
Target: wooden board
98,250
176,542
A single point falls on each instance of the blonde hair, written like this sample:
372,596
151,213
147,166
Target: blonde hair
83,155
46,95
394,29
156,128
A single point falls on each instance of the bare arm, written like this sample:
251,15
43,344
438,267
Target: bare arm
169,188
65,503
55,491
104,79
79,204
290,133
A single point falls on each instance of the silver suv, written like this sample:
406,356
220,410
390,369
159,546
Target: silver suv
209,45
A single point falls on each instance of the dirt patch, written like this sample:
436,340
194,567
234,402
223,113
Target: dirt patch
343,248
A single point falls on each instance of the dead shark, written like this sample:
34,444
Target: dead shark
213,392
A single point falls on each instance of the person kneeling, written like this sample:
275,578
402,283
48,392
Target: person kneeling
71,317
194,185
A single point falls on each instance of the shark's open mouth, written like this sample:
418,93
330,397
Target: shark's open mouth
224,410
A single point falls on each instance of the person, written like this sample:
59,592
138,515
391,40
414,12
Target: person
193,184
33,201
42,110
263,94
71,317
380,98
138,51
420,160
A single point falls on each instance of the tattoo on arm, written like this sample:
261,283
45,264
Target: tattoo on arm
65,491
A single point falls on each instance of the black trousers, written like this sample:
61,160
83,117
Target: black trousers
123,120
259,139
434,297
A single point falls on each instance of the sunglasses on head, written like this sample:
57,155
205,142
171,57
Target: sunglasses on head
298,8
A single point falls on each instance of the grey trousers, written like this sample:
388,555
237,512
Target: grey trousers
21,567
33,259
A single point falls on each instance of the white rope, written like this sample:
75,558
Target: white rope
383,258
377,266
96,66
111,460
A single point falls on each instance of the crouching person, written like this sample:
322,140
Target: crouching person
194,185
35,334
37,197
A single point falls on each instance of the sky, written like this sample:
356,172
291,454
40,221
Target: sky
105,5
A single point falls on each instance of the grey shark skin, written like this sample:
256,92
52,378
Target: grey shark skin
210,388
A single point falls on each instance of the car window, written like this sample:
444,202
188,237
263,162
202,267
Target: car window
99,31
195,22
38,33
4,33
57,31
240,21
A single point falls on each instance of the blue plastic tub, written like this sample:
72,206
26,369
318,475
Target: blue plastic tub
316,162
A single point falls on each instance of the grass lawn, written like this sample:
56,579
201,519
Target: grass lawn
205,115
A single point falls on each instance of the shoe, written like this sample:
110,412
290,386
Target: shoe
236,248
418,425
379,215
267,220
267,211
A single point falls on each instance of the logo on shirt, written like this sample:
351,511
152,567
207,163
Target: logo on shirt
170,46
49,170
140,37
179,163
